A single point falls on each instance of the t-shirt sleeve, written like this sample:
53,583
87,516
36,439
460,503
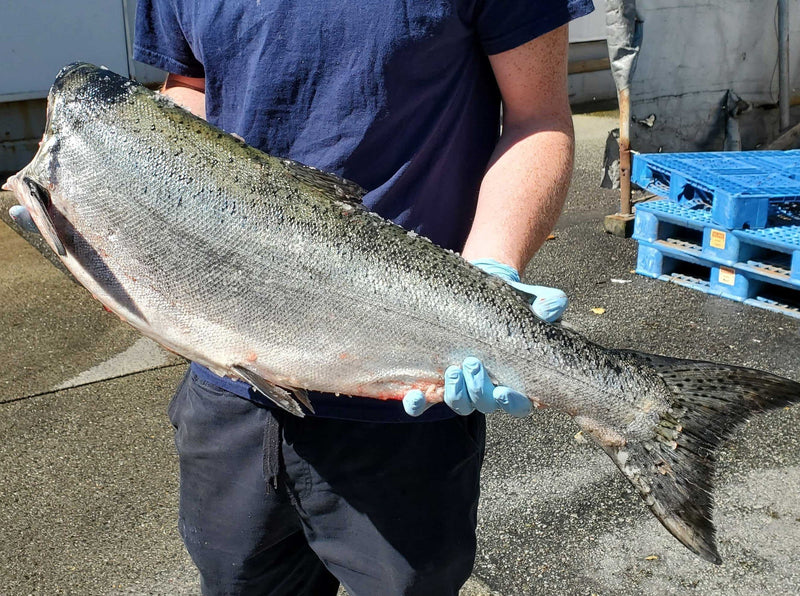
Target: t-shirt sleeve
504,25
160,39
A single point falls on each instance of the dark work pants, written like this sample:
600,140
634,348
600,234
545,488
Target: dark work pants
382,508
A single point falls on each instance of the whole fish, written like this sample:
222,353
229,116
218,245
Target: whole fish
270,271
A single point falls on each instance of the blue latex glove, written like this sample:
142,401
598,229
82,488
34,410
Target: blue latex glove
469,388
547,303
22,218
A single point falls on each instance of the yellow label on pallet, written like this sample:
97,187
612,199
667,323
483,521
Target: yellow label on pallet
718,239
727,276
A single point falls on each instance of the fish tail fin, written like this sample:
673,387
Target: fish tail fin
673,471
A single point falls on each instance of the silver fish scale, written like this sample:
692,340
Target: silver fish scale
221,253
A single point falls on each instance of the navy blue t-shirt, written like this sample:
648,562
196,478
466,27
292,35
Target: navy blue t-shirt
396,95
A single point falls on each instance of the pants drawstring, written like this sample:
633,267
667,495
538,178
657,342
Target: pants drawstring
272,451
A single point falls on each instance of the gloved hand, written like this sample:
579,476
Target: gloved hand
469,388
547,303
22,218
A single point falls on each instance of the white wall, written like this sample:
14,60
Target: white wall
692,53
592,27
40,36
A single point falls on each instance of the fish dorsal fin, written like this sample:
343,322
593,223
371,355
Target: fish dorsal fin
331,184
42,218
290,400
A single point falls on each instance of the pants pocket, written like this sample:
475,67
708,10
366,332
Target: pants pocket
172,407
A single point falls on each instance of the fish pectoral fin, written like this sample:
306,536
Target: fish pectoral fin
45,223
288,399
331,184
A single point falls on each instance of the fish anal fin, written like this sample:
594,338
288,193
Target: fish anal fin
288,399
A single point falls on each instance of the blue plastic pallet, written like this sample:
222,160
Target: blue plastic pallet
773,253
742,189
686,268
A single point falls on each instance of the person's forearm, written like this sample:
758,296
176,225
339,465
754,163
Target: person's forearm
188,92
522,193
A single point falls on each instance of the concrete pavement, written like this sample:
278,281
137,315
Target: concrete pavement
88,480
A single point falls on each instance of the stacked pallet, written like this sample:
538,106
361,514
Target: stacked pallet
729,224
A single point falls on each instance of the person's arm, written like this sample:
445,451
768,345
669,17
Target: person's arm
526,183
520,198
188,92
